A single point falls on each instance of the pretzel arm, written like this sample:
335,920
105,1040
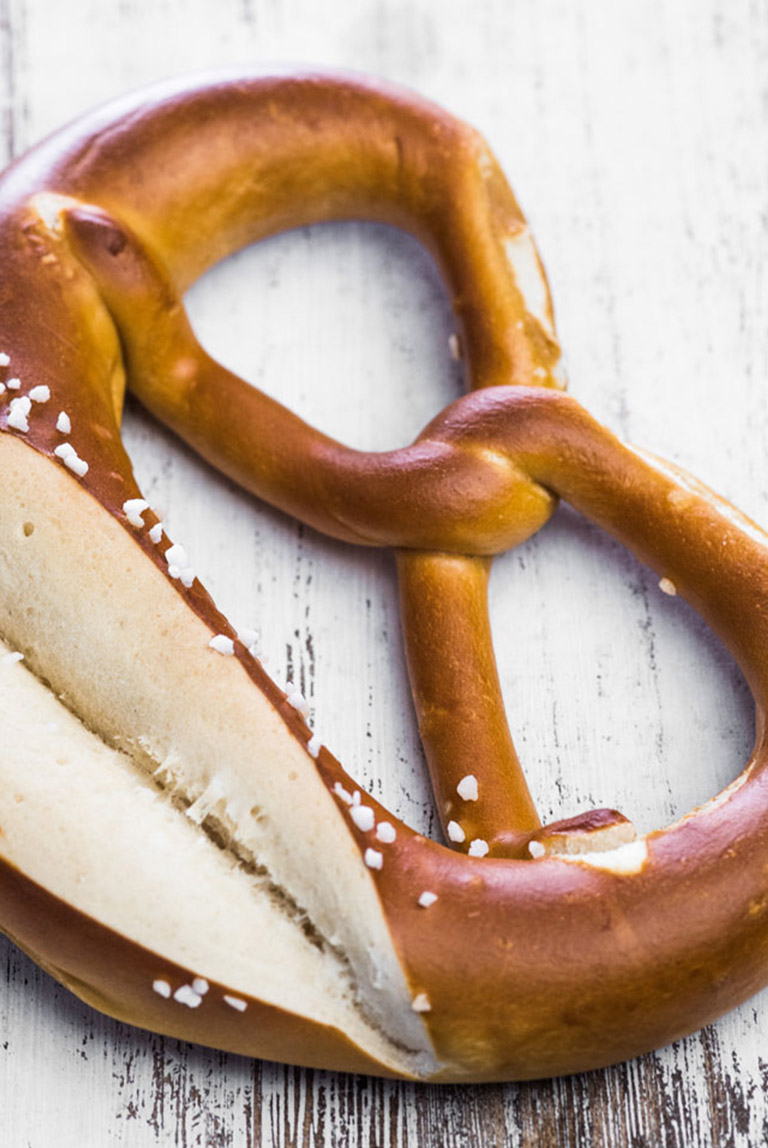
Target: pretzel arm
374,499
272,153
479,787
671,521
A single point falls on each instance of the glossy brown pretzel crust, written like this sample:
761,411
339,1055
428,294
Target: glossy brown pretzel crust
546,950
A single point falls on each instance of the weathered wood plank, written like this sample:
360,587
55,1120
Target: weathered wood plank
635,136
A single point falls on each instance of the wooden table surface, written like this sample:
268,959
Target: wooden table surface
636,136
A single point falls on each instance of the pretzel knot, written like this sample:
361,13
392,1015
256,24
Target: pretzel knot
291,916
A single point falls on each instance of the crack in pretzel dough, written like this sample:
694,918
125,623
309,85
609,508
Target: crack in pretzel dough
184,726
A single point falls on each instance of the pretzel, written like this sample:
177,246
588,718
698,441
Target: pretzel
178,848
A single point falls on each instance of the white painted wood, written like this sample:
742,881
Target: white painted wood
635,136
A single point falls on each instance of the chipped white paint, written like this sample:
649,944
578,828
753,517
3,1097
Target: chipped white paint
655,244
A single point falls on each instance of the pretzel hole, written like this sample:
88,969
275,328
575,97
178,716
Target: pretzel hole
618,695
354,329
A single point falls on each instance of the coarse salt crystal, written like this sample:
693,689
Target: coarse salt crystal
341,792
162,988
248,637
187,576
2,388
186,995
536,849
386,832
426,899
421,1003
236,1003
314,745
455,832
69,456
4,359
133,509
176,555
13,384
200,985
222,645
478,847
156,533
299,702
467,788
77,464
18,415
40,394
667,586
374,859
362,815
64,423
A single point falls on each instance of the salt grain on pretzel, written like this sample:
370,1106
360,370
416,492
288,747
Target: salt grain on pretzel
314,745
550,948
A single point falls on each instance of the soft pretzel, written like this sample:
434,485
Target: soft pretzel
176,846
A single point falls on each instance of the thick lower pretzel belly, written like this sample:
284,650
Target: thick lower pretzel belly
176,845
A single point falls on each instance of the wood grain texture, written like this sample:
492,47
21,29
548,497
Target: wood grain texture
635,136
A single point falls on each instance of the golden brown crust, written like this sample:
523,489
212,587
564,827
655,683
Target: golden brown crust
115,975
521,965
